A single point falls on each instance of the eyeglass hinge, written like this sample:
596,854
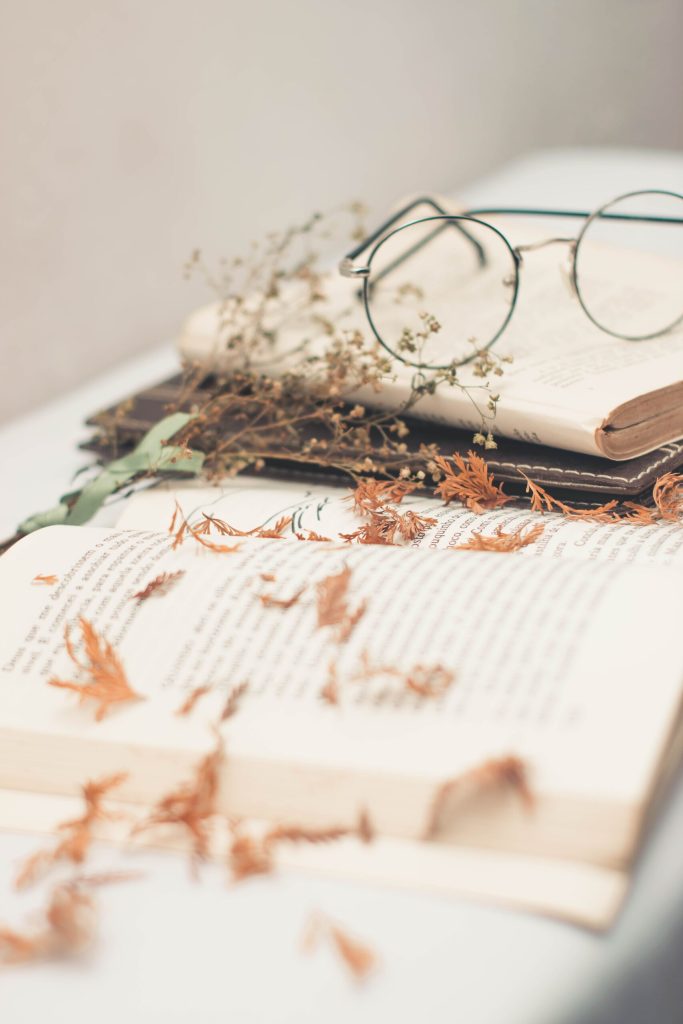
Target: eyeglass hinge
347,269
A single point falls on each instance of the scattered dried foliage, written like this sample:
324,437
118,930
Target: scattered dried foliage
68,923
252,853
181,529
312,535
542,502
332,605
78,833
358,957
667,495
44,580
424,680
376,500
209,523
233,702
160,585
509,771
270,601
105,679
502,541
470,482
192,699
193,804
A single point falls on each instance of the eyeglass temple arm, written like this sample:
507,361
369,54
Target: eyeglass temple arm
512,211
347,269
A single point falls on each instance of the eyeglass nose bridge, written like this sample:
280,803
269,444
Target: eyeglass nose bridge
566,272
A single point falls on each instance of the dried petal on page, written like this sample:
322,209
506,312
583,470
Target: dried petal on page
502,541
79,832
508,771
45,580
160,585
106,681
358,957
667,495
470,482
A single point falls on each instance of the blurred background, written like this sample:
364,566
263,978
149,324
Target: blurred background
138,130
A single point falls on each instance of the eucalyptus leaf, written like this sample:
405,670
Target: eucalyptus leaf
152,455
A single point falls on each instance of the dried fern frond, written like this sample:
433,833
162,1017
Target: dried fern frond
502,541
75,844
357,956
192,699
667,495
469,482
180,529
509,771
106,681
160,585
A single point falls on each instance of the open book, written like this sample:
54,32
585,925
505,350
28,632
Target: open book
551,662
570,385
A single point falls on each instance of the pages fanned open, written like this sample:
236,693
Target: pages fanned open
551,659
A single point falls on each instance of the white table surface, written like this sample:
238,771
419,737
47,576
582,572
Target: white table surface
174,950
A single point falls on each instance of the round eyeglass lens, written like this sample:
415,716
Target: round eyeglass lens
629,265
439,289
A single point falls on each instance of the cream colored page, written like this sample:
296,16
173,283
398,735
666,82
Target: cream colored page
328,511
567,374
550,658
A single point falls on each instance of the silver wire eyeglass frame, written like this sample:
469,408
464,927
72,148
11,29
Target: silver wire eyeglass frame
441,220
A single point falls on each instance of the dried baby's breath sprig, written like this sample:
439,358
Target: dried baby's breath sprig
192,699
470,482
105,679
45,580
78,833
160,585
509,771
270,601
502,541
667,495
357,956
332,605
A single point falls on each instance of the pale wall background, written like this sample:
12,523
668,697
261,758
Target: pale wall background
135,130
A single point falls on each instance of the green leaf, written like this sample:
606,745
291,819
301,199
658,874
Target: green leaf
152,455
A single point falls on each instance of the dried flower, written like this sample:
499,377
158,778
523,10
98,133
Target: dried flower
161,584
106,680
507,771
358,957
470,483
75,844
332,604
502,541
191,700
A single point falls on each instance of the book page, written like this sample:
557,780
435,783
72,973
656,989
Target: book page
567,375
251,503
539,648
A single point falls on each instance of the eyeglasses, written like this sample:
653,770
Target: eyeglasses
441,289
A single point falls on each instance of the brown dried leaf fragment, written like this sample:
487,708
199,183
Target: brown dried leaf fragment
508,771
269,601
470,483
667,495
210,523
639,514
542,502
313,536
332,605
429,680
69,924
78,838
268,577
106,680
233,702
192,699
46,581
160,585
330,691
502,541
193,804
248,856
369,493
358,957
180,529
